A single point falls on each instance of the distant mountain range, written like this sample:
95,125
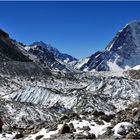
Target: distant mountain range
38,52
122,53
49,56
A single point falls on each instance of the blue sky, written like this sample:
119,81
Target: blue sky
76,28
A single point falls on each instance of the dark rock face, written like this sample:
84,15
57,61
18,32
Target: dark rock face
91,136
46,58
106,118
97,62
72,129
85,128
55,52
9,51
98,113
52,127
51,57
65,129
18,136
3,34
83,136
107,134
26,69
65,117
39,137
16,61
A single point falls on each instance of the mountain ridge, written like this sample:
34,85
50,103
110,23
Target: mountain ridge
61,56
120,54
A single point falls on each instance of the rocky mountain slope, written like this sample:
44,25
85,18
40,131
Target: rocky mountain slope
60,56
51,57
122,52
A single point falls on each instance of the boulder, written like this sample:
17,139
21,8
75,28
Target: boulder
98,113
27,132
137,135
53,127
30,127
74,115
64,117
122,131
4,135
80,136
83,136
91,136
65,129
72,129
14,127
130,135
9,132
136,118
99,122
108,132
19,136
123,128
39,137
85,128
106,118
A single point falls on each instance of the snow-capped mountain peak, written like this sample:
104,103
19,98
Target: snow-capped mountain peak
50,56
121,53
58,55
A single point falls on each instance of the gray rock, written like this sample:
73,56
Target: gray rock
18,136
65,129
39,137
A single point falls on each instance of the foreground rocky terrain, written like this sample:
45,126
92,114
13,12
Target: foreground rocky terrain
92,104
39,102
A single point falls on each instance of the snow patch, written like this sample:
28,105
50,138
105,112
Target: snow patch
136,67
81,63
45,133
7,136
94,127
113,65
